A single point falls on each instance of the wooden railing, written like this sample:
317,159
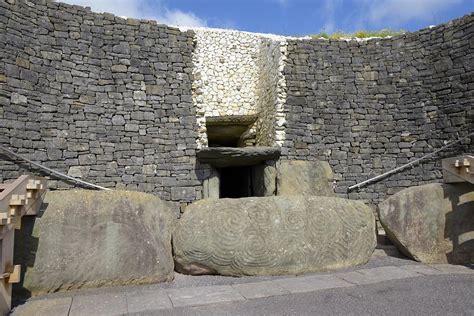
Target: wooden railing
21,197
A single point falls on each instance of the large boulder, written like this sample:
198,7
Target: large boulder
299,177
90,238
273,235
432,223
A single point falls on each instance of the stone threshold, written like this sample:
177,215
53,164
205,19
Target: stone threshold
167,299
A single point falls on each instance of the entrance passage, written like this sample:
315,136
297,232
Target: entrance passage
236,182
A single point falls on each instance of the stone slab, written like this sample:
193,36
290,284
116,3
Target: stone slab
455,269
51,307
422,269
311,283
204,295
148,301
260,289
104,304
298,177
376,275
222,157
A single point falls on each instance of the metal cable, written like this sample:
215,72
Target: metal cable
59,174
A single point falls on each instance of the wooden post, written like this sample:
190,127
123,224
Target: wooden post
458,169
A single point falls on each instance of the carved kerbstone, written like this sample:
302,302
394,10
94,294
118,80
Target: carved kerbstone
273,235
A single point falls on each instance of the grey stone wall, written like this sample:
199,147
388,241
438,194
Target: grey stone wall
98,97
110,100
369,106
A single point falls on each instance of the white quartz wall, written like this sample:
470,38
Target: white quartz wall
271,92
238,73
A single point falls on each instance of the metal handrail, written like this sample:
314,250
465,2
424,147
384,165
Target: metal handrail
57,173
379,177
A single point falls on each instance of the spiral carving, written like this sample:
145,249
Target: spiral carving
274,235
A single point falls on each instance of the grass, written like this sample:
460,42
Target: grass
358,34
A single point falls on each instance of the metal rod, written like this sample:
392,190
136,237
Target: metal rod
62,175
376,178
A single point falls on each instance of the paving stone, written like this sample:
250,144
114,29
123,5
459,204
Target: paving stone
311,283
50,307
204,295
260,289
456,269
106,304
422,269
148,301
375,275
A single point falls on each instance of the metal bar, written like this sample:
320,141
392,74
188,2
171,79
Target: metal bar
376,178
59,174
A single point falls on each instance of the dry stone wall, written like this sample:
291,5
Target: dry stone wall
98,97
370,106
122,102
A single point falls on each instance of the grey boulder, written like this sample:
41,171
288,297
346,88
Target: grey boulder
299,177
91,238
273,235
432,223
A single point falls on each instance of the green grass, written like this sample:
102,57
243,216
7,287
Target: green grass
358,34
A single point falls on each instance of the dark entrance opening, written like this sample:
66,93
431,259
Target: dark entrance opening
229,131
236,182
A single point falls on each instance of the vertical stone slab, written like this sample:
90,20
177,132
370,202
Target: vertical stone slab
264,179
211,186
298,177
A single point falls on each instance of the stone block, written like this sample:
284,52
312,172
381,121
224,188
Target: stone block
430,222
312,283
118,120
273,235
17,98
260,289
51,306
298,177
204,295
96,238
63,76
185,194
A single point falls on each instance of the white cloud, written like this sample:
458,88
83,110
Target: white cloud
142,10
328,12
400,11
180,18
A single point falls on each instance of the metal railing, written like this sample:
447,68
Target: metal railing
414,162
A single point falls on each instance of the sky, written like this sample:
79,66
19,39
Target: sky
289,17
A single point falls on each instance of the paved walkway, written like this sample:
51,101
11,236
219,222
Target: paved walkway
165,300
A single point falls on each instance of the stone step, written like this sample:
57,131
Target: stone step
387,251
